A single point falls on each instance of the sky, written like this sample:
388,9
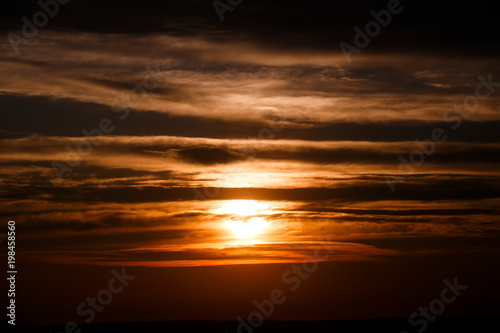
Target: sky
208,157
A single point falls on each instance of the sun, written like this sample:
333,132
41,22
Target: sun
247,229
244,222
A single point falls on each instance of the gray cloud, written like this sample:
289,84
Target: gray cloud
205,155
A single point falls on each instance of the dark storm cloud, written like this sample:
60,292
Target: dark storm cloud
206,155
399,212
22,116
115,220
279,252
417,243
283,24
435,187
88,242
86,172
380,154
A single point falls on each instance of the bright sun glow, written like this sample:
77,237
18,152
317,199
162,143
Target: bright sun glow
242,224
247,229
242,207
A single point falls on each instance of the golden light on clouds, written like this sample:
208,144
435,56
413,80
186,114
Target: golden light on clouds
242,207
287,129
249,228
244,222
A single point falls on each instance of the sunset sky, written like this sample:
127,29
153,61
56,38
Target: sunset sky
252,142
